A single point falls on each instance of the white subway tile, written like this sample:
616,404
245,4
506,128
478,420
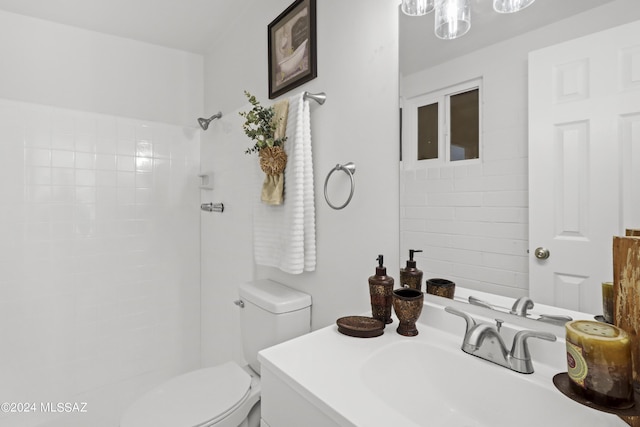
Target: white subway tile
37,175
506,198
37,193
518,263
511,166
447,172
62,159
86,142
456,199
433,173
106,178
428,212
62,176
126,196
491,275
126,179
106,145
61,230
85,178
415,225
144,196
143,164
144,132
491,214
85,161
126,163
85,195
413,199
144,180
62,141
126,147
63,194
37,157
106,162
84,259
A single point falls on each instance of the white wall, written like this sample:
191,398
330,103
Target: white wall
99,256
52,64
357,68
472,220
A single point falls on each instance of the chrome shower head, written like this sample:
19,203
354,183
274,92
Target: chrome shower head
204,123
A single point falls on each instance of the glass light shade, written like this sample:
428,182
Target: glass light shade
416,7
510,6
453,18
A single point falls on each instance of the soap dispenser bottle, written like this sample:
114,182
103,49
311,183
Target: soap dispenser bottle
381,291
411,277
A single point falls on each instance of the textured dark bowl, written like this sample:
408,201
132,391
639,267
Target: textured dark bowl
441,287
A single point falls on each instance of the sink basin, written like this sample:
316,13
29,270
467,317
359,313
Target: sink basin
327,379
432,382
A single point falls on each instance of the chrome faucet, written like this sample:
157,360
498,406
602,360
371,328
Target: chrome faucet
484,340
521,306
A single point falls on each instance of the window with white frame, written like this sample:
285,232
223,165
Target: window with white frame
444,126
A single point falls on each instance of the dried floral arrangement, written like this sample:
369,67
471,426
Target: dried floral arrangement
260,126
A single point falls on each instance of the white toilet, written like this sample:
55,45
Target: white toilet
228,395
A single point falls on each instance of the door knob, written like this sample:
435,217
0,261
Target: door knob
542,253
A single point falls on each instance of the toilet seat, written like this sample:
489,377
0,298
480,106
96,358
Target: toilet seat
199,398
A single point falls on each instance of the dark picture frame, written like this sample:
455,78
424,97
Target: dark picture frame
292,47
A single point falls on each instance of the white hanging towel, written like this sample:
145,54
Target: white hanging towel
284,236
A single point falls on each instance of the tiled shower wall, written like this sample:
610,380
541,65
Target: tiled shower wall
99,260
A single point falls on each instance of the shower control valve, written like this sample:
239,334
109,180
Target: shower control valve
212,207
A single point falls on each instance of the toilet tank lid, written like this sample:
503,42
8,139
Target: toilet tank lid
273,296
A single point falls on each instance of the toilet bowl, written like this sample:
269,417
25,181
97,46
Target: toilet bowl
221,396
228,395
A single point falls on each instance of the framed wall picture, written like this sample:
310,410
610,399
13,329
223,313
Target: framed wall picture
292,47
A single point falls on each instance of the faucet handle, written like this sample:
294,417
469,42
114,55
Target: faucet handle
477,301
520,356
471,322
521,306
556,319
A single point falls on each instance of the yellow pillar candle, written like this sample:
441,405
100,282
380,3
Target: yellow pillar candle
599,362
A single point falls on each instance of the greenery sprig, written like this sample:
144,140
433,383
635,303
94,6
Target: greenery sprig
260,126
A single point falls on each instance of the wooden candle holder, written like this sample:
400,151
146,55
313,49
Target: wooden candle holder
626,307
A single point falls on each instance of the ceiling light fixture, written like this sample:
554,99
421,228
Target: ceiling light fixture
416,7
453,17
510,6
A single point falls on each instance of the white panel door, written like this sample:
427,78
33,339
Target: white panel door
584,162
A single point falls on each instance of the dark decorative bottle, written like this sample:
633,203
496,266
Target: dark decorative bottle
381,291
411,277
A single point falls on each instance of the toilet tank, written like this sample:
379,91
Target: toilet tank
272,313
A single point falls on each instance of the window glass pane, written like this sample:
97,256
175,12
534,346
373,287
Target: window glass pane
428,132
465,126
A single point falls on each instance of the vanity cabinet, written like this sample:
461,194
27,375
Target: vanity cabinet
283,406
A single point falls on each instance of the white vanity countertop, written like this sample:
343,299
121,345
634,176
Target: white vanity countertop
326,368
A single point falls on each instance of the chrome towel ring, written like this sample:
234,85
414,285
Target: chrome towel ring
349,169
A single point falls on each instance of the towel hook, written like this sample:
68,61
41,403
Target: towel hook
349,169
